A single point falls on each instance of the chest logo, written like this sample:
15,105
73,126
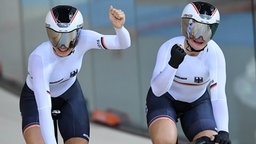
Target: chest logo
73,73
198,79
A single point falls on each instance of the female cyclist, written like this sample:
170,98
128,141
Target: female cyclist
188,82
52,82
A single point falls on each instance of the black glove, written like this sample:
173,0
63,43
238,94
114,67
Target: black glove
177,56
222,138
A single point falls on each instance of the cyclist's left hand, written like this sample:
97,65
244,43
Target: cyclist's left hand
222,138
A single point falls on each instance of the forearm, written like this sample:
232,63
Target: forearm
123,37
163,81
121,40
46,125
220,111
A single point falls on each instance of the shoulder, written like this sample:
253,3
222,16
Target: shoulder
215,53
88,36
214,48
88,33
42,50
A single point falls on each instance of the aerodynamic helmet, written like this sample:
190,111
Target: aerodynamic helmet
63,24
199,19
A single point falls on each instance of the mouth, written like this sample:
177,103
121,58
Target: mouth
199,42
63,49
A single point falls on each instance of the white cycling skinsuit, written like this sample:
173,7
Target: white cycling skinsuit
51,75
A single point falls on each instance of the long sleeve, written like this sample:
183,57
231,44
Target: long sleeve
89,39
121,40
217,89
43,98
163,73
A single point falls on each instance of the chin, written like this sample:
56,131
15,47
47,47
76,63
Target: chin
199,47
62,55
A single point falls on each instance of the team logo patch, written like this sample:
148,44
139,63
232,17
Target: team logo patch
198,79
73,73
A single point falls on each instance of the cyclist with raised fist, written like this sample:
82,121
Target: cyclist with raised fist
188,82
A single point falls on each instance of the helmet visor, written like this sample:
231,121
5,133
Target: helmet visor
59,39
194,30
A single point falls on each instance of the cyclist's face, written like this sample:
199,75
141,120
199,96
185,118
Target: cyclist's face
62,51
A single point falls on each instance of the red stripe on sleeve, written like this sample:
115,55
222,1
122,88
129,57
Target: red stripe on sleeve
102,43
213,85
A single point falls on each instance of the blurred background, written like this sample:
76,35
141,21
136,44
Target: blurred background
117,81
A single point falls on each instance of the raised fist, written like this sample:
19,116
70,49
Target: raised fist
177,56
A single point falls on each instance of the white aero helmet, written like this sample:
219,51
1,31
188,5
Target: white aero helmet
199,19
63,24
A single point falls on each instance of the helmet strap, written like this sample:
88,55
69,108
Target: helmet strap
73,50
191,49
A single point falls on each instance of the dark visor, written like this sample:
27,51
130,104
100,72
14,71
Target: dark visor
67,39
